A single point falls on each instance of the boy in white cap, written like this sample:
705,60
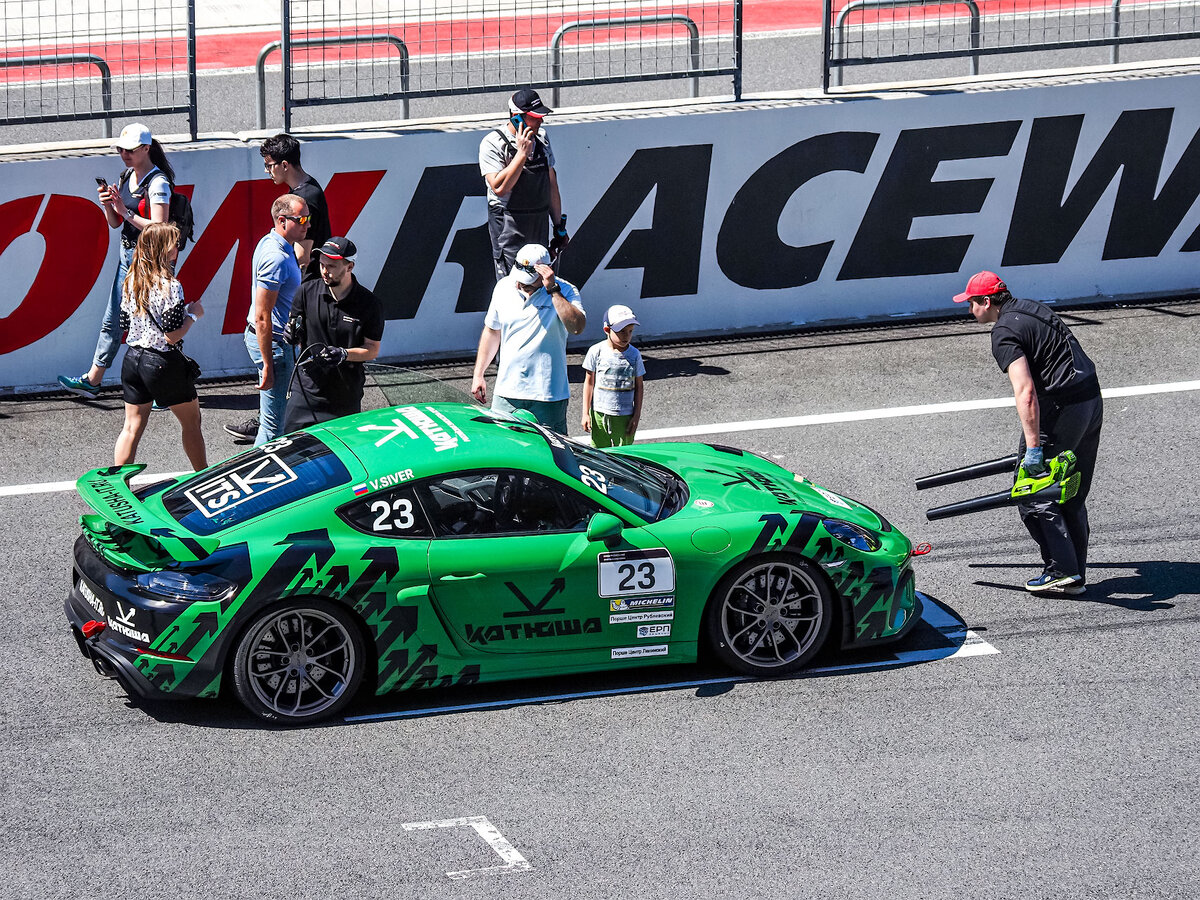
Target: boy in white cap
612,384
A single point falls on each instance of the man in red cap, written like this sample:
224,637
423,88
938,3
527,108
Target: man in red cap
1058,402
522,187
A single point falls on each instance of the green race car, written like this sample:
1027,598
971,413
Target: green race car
440,543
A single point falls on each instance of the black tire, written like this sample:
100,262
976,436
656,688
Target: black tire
770,615
299,662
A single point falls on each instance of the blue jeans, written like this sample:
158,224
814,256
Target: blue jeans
110,328
272,404
551,413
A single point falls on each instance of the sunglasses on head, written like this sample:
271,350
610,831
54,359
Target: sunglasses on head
532,270
302,220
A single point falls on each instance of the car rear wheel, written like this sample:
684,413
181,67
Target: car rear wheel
770,615
299,663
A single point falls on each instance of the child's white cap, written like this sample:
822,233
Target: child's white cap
619,316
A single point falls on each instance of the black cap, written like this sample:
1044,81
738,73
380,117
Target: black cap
528,101
339,248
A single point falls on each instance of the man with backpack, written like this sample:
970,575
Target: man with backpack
517,163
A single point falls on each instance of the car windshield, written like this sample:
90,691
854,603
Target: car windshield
253,483
649,492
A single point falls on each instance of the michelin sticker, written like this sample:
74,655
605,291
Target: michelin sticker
637,652
702,504
627,604
665,615
626,573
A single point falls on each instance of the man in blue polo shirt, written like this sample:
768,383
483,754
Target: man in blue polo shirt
275,281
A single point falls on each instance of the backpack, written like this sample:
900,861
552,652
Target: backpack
179,209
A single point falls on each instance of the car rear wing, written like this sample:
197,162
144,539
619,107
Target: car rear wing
128,532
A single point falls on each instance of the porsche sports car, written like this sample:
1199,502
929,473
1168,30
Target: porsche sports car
442,544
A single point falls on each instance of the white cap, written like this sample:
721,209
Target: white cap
133,135
527,257
619,316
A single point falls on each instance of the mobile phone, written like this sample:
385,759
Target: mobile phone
518,121
101,182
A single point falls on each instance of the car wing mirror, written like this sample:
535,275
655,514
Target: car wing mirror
604,527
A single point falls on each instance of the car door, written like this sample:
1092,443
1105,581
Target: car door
511,567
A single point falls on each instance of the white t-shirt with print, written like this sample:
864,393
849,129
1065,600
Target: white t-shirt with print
616,373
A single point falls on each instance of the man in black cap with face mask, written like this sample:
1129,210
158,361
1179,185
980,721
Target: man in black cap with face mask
522,188
337,324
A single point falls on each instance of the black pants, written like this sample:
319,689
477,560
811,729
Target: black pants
510,231
1061,529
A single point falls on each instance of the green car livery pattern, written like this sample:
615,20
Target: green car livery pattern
444,544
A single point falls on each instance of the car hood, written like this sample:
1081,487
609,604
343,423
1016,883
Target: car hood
728,480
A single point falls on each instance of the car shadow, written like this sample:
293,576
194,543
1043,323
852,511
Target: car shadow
940,633
1143,586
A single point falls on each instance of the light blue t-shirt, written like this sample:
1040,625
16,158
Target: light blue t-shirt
276,269
533,341
616,374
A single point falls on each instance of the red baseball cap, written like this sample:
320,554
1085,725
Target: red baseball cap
982,284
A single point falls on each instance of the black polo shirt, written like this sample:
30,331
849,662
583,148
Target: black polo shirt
1061,370
318,229
349,323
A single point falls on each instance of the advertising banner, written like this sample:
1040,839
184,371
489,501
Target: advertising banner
733,218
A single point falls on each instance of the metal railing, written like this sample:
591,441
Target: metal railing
592,24
260,72
1009,26
64,59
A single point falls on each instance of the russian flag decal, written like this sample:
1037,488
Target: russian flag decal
359,490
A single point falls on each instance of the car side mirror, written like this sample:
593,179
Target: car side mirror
604,527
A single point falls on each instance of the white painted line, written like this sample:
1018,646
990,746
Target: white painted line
48,487
933,614
513,860
862,415
890,412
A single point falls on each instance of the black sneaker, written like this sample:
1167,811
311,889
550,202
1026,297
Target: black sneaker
1048,582
244,432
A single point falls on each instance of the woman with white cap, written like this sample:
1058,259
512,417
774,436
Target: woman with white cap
142,195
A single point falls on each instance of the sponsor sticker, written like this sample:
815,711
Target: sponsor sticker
653,631
252,479
623,604
124,623
702,504
624,573
831,497
636,652
665,615
90,596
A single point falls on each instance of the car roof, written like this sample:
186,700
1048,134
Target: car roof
435,438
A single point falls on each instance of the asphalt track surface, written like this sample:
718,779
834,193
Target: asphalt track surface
1063,765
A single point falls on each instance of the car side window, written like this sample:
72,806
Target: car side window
503,502
395,513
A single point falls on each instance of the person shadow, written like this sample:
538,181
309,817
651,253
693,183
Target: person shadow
1143,586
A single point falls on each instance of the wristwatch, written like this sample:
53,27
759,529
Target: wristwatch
555,288
193,317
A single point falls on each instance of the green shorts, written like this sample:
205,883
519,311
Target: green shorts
610,431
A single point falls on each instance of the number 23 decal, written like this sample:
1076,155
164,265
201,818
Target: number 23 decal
625,573
397,515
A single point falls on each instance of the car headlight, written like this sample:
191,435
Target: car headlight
852,535
187,586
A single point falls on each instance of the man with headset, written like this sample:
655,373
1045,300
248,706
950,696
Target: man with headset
337,325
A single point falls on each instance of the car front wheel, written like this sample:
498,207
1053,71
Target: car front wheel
770,615
299,663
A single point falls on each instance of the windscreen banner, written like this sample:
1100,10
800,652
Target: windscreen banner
718,218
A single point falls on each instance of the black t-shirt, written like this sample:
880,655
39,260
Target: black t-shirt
318,229
1060,368
349,323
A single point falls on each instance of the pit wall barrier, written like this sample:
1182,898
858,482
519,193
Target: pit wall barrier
720,218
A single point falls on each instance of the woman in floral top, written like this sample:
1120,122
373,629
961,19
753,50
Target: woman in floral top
155,317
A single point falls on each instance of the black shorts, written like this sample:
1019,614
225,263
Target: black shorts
151,375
